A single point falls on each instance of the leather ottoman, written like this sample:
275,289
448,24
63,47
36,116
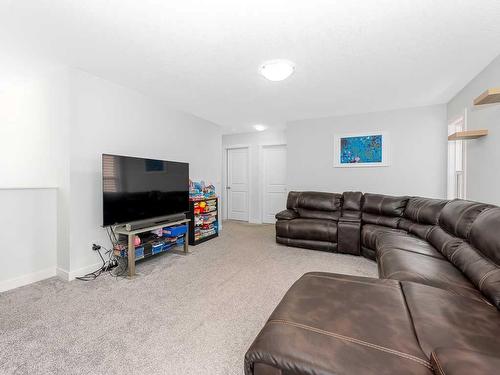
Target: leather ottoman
338,324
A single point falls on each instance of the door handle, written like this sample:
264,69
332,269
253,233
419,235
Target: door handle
228,187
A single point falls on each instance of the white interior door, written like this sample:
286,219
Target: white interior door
237,184
274,181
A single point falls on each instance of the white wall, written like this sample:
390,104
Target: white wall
108,118
33,153
32,113
28,232
483,154
55,123
418,153
253,141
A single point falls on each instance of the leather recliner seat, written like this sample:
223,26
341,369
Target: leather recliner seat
435,308
310,220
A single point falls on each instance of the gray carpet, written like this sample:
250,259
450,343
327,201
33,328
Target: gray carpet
182,315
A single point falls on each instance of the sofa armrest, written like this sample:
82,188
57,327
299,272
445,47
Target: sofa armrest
448,361
349,235
287,215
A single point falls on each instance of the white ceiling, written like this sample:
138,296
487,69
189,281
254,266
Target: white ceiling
203,56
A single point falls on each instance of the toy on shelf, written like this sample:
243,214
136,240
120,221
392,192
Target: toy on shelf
137,240
199,190
204,219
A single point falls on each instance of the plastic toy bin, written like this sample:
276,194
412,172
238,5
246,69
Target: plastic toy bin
175,231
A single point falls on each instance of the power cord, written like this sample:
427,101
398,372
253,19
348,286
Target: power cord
105,265
113,263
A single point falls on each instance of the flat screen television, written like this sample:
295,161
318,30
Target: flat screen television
136,189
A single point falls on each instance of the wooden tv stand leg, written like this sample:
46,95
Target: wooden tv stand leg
186,240
131,255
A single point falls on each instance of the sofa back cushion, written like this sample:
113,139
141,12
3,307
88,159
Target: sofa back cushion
458,215
479,260
312,200
446,243
468,235
315,205
386,221
455,223
351,204
293,200
485,234
385,205
352,200
424,210
383,209
420,215
419,230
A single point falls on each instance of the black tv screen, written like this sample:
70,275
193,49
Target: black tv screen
138,189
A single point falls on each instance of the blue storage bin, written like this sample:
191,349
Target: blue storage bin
167,246
139,252
175,231
180,241
157,248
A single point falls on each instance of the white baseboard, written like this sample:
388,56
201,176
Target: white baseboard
63,274
27,279
45,274
71,275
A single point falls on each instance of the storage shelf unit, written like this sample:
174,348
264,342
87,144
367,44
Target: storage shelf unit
131,248
490,96
468,134
205,222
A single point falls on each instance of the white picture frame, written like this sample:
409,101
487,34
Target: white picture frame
385,152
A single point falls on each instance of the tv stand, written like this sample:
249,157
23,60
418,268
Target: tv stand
132,233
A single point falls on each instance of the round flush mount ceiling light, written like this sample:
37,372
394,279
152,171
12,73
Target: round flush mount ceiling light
260,127
277,70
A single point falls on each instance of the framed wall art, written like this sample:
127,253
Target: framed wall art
361,150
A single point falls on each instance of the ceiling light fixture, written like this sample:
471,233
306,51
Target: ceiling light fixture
260,127
277,70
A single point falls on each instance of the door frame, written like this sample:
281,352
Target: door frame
262,178
224,205
463,119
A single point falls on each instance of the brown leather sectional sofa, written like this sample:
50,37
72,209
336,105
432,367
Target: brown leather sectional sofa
435,308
